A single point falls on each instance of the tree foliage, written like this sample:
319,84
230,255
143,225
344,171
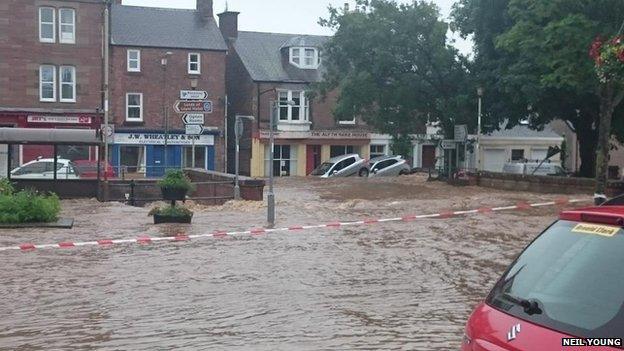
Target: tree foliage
392,66
532,57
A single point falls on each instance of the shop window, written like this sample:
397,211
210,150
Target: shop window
67,26
339,150
47,25
200,157
517,155
132,160
284,160
134,60
377,150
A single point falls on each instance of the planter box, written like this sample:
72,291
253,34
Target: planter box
173,194
158,219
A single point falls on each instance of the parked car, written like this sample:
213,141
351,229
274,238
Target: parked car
388,166
534,168
568,283
88,169
43,168
342,166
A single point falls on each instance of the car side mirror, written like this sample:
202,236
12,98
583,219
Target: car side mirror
375,171
334,172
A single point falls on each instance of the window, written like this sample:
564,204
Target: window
517,154
194,63
339,150
187,157
134,60
134,107
377,150
131,159
68,83
67,25
284,160
293,106
47,83
306,58
47,25
347,121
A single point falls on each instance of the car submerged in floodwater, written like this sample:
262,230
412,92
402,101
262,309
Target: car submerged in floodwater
388,166
566,290
342,166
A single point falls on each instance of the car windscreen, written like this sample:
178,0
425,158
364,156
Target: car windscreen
570,279
322,169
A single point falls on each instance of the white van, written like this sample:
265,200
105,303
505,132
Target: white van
531,168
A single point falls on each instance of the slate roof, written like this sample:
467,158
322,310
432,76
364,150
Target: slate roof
165,28
523,131
262,55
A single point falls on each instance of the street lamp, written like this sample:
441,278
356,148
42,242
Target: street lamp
480,92
238,133
271,194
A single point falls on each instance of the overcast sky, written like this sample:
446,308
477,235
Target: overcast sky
282,16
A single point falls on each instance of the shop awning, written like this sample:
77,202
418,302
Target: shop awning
50,136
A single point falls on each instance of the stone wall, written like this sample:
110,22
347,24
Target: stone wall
544,184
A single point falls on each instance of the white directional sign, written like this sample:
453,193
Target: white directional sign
193,118
193,95
448,144
194,129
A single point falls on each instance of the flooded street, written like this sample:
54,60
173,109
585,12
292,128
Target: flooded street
392,286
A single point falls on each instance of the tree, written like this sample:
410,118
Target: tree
392,66
532,54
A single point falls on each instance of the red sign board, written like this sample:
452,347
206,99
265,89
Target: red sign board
203,106
59,119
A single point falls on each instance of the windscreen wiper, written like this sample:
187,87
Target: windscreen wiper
530,306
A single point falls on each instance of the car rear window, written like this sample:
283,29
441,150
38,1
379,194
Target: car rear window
573,278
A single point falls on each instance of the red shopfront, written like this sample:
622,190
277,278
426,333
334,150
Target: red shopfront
26,153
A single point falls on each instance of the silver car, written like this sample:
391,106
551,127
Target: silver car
342,166
388,166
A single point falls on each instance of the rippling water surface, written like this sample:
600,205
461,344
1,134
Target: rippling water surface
400,286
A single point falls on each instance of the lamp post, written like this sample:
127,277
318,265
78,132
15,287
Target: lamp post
238,133
164,62
480,92
271,195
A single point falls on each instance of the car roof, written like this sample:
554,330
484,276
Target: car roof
340,158
60,160
385,157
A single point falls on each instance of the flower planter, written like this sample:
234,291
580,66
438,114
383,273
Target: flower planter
173,194
158,219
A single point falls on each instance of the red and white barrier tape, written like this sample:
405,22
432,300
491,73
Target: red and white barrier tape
262,231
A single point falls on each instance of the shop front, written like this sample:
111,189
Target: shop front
145,154
299,153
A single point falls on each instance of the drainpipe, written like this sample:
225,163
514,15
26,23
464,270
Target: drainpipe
106,82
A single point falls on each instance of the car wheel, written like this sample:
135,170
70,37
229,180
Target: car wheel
363,172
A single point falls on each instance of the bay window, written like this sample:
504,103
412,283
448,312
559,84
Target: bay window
305,57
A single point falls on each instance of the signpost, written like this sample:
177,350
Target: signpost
193,95
194,129
193,118
198,106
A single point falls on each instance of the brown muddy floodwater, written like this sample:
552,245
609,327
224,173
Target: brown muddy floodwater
400,286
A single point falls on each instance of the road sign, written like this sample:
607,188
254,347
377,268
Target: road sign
461,133
194,129
448,144
193,95
193,118
203,106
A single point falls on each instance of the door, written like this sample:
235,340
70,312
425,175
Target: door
428,156
389,168
313,158
494,160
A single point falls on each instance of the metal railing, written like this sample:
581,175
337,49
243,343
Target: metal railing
132,198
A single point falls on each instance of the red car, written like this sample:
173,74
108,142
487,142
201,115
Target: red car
87,169
564,292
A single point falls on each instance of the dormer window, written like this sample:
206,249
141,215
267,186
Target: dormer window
305,57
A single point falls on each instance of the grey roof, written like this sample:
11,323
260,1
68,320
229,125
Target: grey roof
264,58
165,28
523,131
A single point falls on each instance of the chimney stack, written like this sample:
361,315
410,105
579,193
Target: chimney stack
228,24
205,8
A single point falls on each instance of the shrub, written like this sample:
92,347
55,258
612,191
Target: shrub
6,188
171,211
176,179
28,206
